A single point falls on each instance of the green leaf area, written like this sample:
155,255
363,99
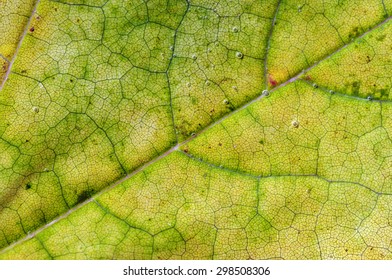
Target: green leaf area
173,129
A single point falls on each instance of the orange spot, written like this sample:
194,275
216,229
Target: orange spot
272,81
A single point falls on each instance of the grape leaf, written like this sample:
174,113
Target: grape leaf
195,129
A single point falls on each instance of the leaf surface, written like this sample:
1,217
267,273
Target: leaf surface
196,130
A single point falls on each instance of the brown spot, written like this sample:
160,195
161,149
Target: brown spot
185,150
220,144
272,81
32,29
308,78
84,195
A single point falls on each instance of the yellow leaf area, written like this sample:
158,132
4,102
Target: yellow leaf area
14,17
143,130
164,213
362,69
307,31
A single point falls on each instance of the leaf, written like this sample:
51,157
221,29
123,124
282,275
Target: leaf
196,130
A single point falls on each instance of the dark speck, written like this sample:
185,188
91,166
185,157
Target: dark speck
381,37
84,195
